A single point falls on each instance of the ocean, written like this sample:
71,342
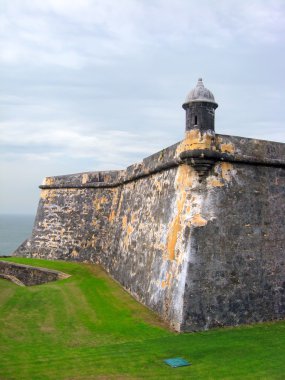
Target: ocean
14,229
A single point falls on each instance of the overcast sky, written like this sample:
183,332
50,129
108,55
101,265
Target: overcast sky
98,84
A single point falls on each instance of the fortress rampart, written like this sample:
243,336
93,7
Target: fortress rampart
196,231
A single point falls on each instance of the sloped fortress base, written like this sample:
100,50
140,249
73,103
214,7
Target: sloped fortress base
196,231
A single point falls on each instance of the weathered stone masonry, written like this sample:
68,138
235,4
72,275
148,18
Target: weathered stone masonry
26,275
195,232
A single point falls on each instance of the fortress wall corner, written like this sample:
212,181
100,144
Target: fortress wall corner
201,250
237,270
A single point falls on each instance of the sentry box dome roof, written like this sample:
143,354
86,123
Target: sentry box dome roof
200,94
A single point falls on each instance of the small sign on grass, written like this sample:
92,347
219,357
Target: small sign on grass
177,362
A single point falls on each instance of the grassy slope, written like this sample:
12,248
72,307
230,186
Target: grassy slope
87,327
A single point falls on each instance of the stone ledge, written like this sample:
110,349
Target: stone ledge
12,279
231,149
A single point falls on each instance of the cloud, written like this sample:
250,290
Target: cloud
75,34
51,140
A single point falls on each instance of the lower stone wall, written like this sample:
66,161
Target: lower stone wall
28,275
71,223
126,229
140,257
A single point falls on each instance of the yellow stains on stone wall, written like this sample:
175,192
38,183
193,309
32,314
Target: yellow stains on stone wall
198,221
130,229
48,194
158,185
85,178
167,281
184,180
98,203
74,253
188,209
224,173
214,182
112,216
227,148
227,171
134,217
48,181
194,139
193,216
185,177
113,213
124,221
173,235
140,216
44,194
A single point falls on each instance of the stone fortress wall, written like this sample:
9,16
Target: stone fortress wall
196,232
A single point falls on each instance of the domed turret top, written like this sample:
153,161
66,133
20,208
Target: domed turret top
200,94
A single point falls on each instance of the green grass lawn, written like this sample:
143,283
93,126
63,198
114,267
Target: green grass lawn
87,327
